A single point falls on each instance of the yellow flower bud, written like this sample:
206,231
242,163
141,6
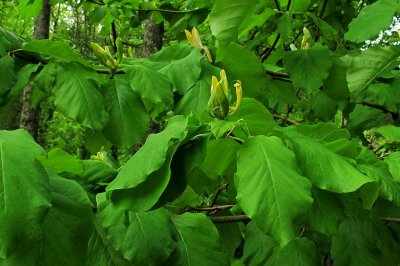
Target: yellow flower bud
239,96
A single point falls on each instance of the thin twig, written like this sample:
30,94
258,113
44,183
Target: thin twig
167,10
277,5
268,50
390,219
212,208
379,107
218,192
321,13
290,121
229,219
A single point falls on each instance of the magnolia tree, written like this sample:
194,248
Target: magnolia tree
279,140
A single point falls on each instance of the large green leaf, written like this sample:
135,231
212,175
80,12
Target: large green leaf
335,85
256,118
7,74
48,49
370,165
226,16
24,193
308,68
269,188
365,117
9,41
67,226
220,158
258,246
143,179
385,95
390,132
242,64
300,251
153,87
325,169
326,212
198,242
196,99
29,8
143,238
393,162
59,161
77,96
372,19
23,78
173,62
363,240
128,120
367,66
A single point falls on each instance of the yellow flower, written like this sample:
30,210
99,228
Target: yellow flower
218,104
194,40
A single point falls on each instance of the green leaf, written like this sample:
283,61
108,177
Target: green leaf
335,85
220,127
53,49
173,62
325,132
257,119
300,251
226,17
326,212
142,238
300,5
385,95
258,246
390,132
308,68
325,169
393,162
367,66
23,78
194,231
24,198
143,179
323,107
220,158
9,41
59,161
128,120
67,227
370,165
29,8
242,64
154,88
267,167
255,20
7,74
365,117
372,19
363,240
196,99
98,14
77,84
96,172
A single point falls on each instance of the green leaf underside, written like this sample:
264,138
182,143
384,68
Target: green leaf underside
269,189
367,66
308,68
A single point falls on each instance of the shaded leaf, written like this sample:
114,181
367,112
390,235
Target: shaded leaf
194,231
300,251
226,17
372,19
128,120
269,189
367,66
77,84
308,68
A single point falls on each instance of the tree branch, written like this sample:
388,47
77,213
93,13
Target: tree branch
390,219
268,50
167,10
229,219
287,119
380,107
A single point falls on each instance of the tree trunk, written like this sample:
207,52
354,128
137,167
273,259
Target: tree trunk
30,115
153,37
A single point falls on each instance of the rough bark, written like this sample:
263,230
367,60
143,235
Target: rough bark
153,37
30,115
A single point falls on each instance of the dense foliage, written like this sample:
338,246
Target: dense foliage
304,169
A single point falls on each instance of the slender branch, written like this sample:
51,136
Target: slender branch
390,219
268,50
287,119
114,35
277,74
229,219
321,13
213,208
288,5
100,3
218,192
277,5
167,10
379,107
